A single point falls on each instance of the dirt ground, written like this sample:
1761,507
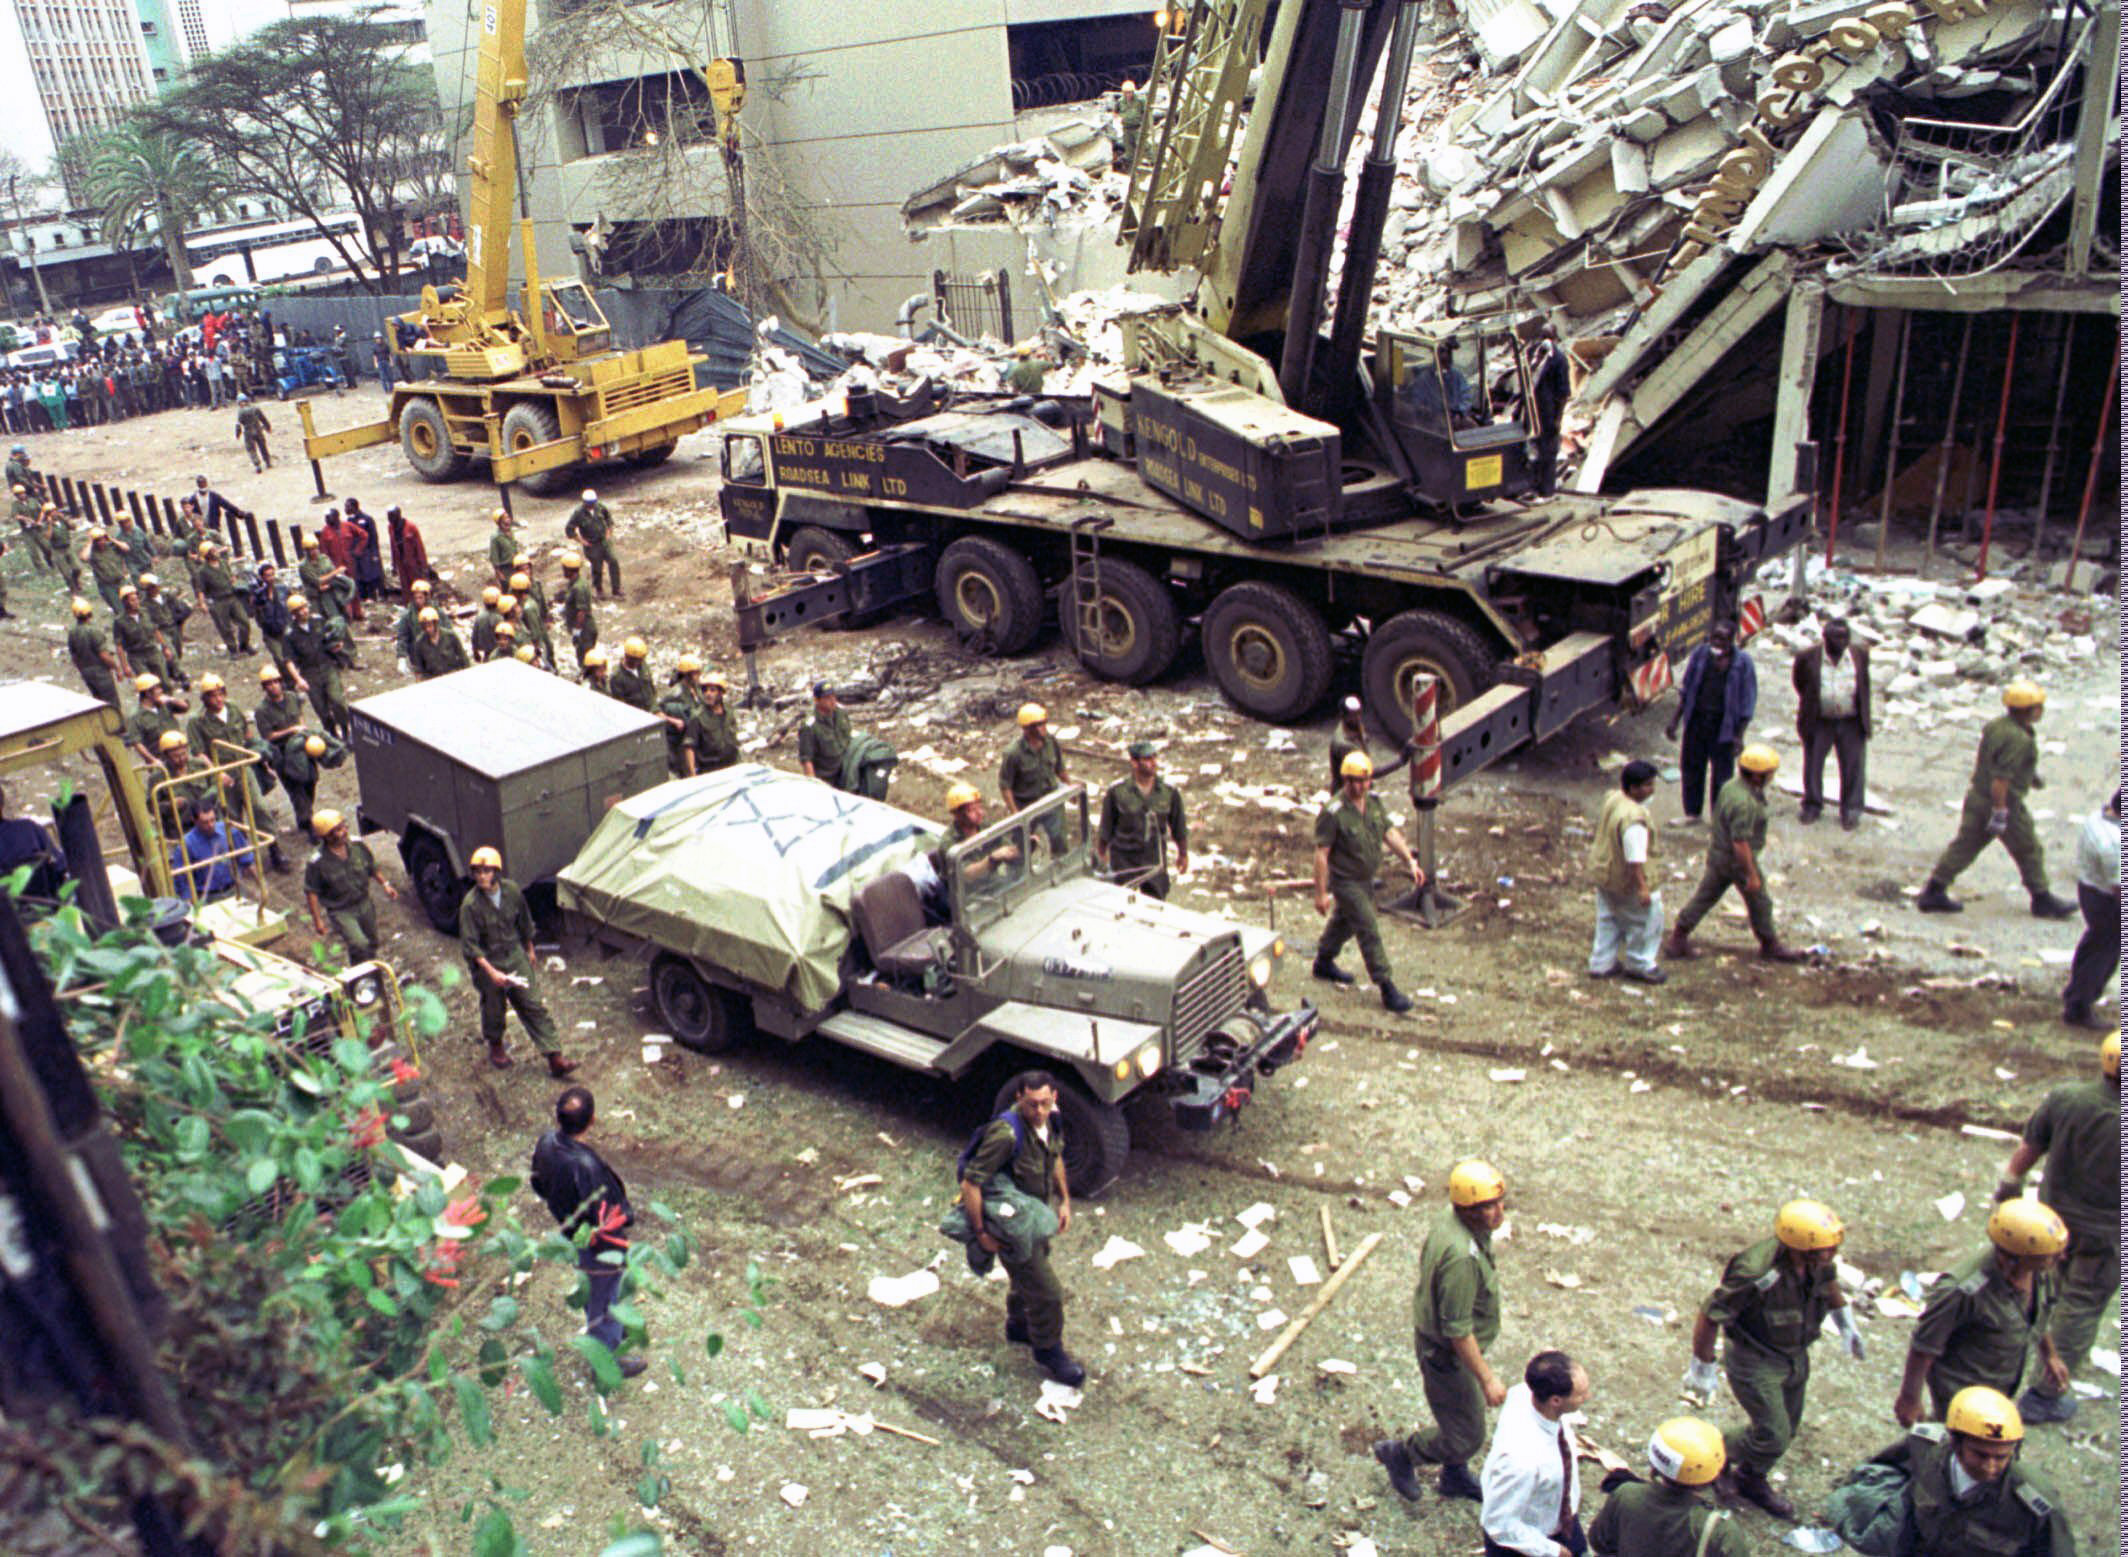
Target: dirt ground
1646,1134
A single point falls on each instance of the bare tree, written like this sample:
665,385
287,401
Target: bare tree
20,182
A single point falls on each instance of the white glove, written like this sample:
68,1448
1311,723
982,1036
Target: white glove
1701,1380
1843,1320
405,669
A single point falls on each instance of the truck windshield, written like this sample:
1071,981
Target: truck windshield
742,459
1018,856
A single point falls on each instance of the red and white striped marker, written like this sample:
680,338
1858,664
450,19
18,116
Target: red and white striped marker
1426,737
1750,619
1651,679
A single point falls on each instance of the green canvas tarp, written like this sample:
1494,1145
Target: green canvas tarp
749,869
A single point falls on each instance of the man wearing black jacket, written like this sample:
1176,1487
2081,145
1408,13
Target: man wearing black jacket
583,1192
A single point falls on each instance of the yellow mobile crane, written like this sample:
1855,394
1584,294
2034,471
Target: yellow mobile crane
538,392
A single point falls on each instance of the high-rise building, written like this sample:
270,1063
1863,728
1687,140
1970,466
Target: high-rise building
67,67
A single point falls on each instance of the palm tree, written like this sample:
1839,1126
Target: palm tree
140,175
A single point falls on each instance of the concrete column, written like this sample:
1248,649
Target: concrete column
1791,408
2102,75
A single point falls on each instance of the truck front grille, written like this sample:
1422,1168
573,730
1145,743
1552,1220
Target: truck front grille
643,391
1215,993
318,1028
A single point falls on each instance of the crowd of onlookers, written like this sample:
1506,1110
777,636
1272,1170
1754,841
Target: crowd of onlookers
204,365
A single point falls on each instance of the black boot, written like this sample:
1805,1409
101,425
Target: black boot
1458,1482
1058,1364
1936,899
1394,1000
1016,1331
1331,973
275,859
2045,905
1396,1460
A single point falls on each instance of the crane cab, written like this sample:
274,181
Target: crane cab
574,326
1454,406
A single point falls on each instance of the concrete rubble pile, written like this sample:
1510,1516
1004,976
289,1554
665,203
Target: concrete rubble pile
1066,175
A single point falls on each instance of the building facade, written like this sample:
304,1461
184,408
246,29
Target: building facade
67,68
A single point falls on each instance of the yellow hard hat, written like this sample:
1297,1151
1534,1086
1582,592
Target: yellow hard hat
1032,714
506,629
172,740
315,745
687,665
299,602
428,614
571,562
325,822
127,589
490,595
98,533
81,607
146,681
150,578
595,659
505,604
635,648
21,490
484,855
716,678
1758,757
1357,764
1808,1224
1687,1451
212,683
2026,1227
269,672
501,514
959,795
310,543
1980,1412
2109,1056
2024,694
528,654
522,562
422,586
1475,1183
521,583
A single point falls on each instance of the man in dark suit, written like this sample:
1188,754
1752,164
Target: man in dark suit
1832,715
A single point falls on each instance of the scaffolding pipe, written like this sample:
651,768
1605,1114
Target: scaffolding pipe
1891,448
1943,455
2054,437
2098,447
1839,437
2002,428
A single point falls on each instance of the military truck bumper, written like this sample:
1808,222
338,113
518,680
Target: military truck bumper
1215,1086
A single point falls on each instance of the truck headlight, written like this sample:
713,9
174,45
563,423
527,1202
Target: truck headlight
367,990
1147,1060
1260,971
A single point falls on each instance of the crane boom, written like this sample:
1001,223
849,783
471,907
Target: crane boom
498,94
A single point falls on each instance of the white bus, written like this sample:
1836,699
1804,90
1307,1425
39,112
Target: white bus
264,253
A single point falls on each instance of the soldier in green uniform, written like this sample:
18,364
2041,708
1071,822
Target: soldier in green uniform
1030,369
251,430
1349,835
1967,1492
57,538
591,527
1981,1320
106,565
19,473
1770,1306
1665,1517
322,579
1032,767
289,743
2077,1128
28,511
1351,736
677,708
577,614
495,928
317,650
512,626
595,672
177,788
1130,122
712,742
1139,815
1031,1148
2005,770
1455,1314
502,548
137,638
91,654
140,544
437,651
824,738
168,613
225,605
484,624
406,626
336,885
1735,841
532,614
217,732
629,681
156,716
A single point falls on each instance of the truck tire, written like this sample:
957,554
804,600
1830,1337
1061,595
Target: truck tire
427,441
419,1134
701,1016
1268,650
1428,642
812,549
1140,632
526,424
644,459
987,590
436,886
1096,1135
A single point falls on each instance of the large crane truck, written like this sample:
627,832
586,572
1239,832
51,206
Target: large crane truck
539,392
1275,483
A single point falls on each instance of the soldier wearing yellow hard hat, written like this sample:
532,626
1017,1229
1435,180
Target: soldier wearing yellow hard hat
1736,840
630,680
94,658
712,738
1033,766
1665,1516
677,708
1963,1489
1455,1316
495,931
488,618
157,715
1350,833
336,886
1993,1312
576,609
438,650
1770,1306
406,627
2077,1129
221,735
2005,770
595,672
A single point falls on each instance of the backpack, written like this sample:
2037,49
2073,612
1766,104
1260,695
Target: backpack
1019,1140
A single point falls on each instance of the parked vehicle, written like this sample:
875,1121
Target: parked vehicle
307,367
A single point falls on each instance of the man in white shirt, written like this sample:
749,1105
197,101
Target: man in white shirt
2098,894
1629,912
1832,717
1532,1487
